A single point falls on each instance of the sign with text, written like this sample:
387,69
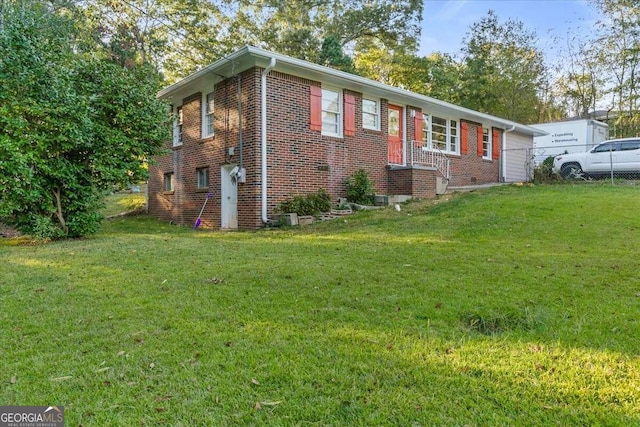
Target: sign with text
31,416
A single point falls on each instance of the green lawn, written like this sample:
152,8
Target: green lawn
510,306
122,202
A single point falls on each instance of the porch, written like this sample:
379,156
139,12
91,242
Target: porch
425,174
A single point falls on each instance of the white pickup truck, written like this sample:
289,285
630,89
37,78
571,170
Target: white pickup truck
620,156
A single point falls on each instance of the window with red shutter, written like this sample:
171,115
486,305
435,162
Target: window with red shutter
495,144
316,108
464,138
349,115
417,130
479,148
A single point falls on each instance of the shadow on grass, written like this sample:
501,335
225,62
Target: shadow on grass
457,316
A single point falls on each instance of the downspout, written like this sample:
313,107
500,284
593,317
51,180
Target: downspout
240,141
263,136
504,152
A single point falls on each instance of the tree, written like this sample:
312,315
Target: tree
181,36
173,35
332,55
374,61
552,107
504,70
582,84
618,50
437,75
299,27
75,124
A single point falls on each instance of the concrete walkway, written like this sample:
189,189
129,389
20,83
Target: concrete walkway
476,187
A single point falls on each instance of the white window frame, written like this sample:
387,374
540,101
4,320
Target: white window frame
426,131
451,134
178,123
376,114
208,108
338,123
202,178
486,144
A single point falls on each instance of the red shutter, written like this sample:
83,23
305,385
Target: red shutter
479,149
495,144
417,129
464,138
349,115
316,108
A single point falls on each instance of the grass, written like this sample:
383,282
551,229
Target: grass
120,203
510,306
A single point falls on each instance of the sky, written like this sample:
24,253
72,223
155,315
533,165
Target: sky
445,22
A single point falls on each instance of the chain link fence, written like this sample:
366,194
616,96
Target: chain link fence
614,160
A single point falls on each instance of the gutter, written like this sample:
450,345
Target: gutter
250,56
319,72
213,68
240,140
263,136
504,152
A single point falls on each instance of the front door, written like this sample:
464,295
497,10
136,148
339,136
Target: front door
229,195
395,135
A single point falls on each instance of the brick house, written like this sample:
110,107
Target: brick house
257,127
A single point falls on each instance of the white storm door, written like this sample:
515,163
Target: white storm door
229,199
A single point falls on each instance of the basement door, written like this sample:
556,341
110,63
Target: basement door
229,199
395,135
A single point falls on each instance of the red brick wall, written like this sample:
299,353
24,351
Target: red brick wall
184,204
465,169
471,169
417,182
300,160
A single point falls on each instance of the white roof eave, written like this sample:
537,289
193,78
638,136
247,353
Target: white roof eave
250,56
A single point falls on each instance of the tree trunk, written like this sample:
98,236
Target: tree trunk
63,224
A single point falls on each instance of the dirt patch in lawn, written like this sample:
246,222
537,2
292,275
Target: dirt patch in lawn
6,231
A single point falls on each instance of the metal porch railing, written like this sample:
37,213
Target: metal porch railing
433,157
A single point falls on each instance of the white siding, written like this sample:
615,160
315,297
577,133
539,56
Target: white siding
516,158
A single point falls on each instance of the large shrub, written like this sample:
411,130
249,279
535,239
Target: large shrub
308,204
360,188
543,172
74,122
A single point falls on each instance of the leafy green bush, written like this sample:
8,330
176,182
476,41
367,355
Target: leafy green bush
320,200
44,228
75,121
543,173
360,188
309,204
84,223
